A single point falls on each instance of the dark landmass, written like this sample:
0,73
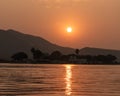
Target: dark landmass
17,47
12,42
57,57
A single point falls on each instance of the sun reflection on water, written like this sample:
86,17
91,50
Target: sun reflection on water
68,80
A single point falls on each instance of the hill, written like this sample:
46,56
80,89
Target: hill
99,51
12,41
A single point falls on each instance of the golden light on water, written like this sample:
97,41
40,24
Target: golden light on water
68,80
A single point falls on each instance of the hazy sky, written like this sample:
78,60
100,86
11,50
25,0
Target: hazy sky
96,23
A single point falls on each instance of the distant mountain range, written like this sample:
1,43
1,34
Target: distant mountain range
99,51
12,42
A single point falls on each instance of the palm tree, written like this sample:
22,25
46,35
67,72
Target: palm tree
77,51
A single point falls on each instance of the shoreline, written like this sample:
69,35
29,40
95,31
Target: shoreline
12,63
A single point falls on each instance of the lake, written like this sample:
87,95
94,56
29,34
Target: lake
59,80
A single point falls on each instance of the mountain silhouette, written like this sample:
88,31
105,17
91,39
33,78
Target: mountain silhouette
100,51
13,41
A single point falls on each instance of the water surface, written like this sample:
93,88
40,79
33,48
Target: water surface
59,80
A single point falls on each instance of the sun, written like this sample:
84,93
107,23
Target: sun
69,29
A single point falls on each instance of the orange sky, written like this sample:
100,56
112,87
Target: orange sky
96,23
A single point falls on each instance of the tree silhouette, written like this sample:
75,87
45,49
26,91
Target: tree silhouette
20,56
33,50
65,57
89,58
37,54
77,51
110,58
56,55
101,59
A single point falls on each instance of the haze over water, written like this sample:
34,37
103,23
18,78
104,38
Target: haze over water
59,80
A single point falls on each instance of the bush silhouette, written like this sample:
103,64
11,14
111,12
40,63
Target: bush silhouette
20,56
37,54
56,55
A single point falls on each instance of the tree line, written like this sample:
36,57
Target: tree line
57,57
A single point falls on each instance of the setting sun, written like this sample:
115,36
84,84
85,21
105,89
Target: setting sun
69,29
